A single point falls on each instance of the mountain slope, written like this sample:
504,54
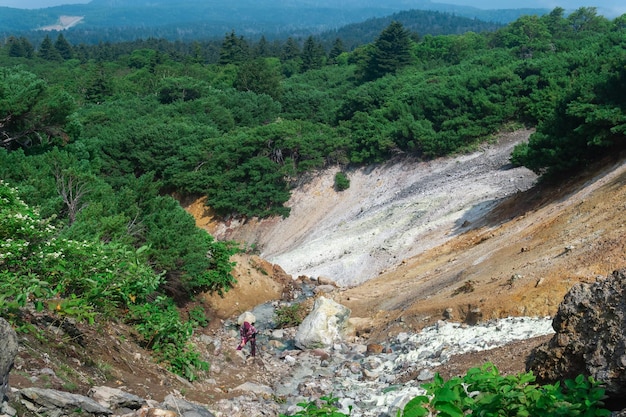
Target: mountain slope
515,256
457,239
193,20
389,213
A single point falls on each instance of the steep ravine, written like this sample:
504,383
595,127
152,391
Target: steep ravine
457,236
411,239
390,213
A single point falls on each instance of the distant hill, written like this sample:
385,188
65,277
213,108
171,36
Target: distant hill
421,22
123,20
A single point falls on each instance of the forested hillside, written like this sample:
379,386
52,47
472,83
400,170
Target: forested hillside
190,20
98,142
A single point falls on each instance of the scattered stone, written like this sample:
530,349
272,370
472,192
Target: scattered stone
322,280
254,388
158,412
425,375
7,410
320,353
324,289
374,348
278,334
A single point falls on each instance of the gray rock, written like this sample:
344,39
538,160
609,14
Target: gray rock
324,289
115,398
325,325
7,410
590,336
246,316
185,408
254,388
8,351
425,375
52,400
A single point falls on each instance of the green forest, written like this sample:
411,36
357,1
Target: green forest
99,143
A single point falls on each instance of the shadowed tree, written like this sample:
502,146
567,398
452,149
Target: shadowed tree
234,50
47,50
15,47
337,49
31,113
391,51
291,50
260,77
262,48
64,47
312,55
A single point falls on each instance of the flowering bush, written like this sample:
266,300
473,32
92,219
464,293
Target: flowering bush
103,276
84,279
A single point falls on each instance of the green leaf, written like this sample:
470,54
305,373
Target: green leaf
449,410
414,407
446,394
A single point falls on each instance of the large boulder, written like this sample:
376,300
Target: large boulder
52,402
8,350
325,324
590,336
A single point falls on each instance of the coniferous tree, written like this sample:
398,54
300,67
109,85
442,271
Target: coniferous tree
392,51
262,48
258,76
64,47
98,87
47,50
291,50
337,49
312,55
27,47
16,48
235,50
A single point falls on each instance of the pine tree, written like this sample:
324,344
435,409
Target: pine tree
64,47
262,49
258,76
99,85
335,51
16,48
47,50
312,55
392,51
27,47
234,50
291,50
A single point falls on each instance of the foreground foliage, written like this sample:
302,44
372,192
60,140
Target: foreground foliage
484,392
87,281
